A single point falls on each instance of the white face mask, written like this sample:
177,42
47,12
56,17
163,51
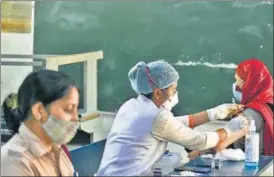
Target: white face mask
238,95
60,131
171,102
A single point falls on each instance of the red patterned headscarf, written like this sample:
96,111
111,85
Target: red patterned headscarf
257,92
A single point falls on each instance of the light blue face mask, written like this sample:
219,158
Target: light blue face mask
237,95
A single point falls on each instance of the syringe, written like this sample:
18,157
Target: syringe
233,101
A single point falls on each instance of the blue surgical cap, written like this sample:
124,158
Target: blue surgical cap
161,73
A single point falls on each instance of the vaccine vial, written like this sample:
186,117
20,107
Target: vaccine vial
213,162
219,163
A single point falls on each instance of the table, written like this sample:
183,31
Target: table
234,168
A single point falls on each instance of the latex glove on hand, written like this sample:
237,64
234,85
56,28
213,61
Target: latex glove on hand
235,125
224,111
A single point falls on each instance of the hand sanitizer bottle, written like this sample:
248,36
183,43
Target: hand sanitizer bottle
252,147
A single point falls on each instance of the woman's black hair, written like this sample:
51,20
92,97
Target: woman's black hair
271,105
150,95
43,86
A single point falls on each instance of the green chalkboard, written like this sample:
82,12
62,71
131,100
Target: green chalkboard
76,71
179,32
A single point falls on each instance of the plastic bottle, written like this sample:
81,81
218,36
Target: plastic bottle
252,147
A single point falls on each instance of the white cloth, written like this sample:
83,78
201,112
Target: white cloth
188,173
228,154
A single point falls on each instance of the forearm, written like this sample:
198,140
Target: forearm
226,138
238,132
222,137
219,112
222,134
231,139
198,118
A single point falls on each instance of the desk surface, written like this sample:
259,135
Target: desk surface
232,168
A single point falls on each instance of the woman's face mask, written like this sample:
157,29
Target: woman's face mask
237,95
171,102
60,131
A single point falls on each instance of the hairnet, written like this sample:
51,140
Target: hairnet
159,74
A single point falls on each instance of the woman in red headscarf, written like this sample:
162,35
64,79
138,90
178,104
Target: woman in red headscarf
254,89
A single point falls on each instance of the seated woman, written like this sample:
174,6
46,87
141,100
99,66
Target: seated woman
253,89
42,117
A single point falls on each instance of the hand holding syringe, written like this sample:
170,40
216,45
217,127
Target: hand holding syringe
228,110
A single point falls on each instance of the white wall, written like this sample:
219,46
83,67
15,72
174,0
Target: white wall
15,43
